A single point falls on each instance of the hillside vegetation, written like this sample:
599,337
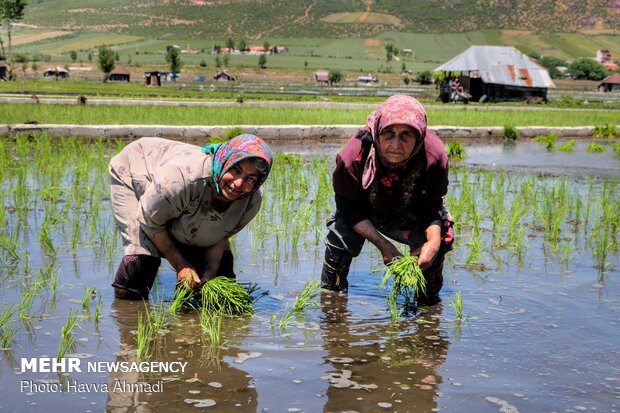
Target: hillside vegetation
257,19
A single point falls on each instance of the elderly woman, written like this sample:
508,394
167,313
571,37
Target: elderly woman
390,180
183,202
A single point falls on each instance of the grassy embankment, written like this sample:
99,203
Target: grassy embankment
156,115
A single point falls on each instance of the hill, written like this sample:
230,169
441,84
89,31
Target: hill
258,19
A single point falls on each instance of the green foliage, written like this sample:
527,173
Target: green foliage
510,133
455,150
549,140
425,77
224,296
617,149
407,280
567,146
335,76
262,61
73,55
587,69
106,61
457,305
390,51
595,148
605,131
173,58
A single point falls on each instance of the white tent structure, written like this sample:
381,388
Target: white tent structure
498,73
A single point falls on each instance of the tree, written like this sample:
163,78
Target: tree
230,43
390,51
551,64
225,59
218,62
90,57
266,46
106,61
587,69
174,60
262,61
242,46
73,55
10,11
334,76
425,77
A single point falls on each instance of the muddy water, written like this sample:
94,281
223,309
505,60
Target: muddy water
540,329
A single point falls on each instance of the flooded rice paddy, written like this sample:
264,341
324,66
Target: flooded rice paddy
536,263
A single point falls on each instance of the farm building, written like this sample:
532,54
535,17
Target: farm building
610,83
119,74
56,72
3,71
321,78
153,78
224,76
495,73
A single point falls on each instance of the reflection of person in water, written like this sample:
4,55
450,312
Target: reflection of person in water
206,376
375,363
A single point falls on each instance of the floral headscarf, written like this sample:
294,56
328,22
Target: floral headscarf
237,149
397,109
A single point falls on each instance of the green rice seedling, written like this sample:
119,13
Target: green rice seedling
97,315
457,305
393,308
7,327
455,150
211,324
605,131
567,146
144,336
67,340
222,295
510,133
617,149
46,240
595,148
304,300
25,304
182,297
407,277
88,295
549,140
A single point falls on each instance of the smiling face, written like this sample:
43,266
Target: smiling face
397,142
239,180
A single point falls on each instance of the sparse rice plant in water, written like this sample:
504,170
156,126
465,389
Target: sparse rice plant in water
510,133
549,140
455,150
595,148
567,146
457,305
67,340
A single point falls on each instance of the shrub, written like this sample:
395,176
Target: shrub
510,133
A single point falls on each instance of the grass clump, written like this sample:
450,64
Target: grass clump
567,146
605,131
224,296
455,151
549,140
510,133
596,148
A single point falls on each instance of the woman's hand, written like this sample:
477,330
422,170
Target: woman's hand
188,276
388,251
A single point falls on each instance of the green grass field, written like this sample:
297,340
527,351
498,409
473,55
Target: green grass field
154,115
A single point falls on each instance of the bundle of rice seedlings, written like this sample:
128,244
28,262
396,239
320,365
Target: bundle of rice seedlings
407,277
224,296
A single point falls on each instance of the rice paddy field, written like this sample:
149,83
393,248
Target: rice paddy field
529,319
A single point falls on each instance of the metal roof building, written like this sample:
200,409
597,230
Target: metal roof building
498,73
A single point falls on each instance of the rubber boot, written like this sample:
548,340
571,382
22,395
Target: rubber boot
335,270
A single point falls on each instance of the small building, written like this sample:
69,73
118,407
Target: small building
321,78
56,72
367,79
494,73
603,56
119,74
610,83
153,78
224,76
3,71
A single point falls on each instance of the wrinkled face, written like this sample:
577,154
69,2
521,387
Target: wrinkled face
240,179
397,142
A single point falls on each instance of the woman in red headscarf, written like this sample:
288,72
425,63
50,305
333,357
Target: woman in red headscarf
390,180
182,202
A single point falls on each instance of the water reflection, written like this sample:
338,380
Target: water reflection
207,379
379,364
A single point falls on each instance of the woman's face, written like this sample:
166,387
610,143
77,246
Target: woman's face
397,142
239,180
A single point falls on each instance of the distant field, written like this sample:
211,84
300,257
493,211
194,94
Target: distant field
362,17
28,38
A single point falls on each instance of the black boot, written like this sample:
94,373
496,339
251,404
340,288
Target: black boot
335,270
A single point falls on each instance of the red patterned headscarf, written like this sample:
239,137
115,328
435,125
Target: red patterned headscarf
397,109
237,149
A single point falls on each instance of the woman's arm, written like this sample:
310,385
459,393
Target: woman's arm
164,243
429,249
367,230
